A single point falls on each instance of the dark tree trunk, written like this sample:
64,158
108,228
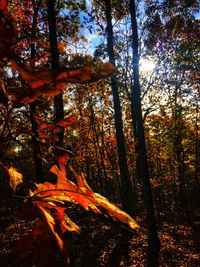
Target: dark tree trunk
99,152
58,100
180,158
127,196
153,240
36,146
58,104
35,137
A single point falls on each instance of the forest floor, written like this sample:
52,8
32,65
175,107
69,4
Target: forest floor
104,242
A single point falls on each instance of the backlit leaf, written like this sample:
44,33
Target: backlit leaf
67,191
39,77
16,178
65,223
51,223
116,212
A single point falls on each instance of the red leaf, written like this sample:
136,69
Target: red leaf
44,126
7,33
3,4
45,136
56,130
71,120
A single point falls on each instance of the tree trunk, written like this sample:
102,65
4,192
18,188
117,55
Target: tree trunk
127,196
35,137
58,104
153,240
36,146
179,154
58,100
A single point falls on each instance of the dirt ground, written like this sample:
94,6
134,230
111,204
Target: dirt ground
102,241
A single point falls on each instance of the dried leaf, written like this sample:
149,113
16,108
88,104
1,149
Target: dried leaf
3,94
64,222
82,183
62,180
116,212
65,191
51,223
87,74
39,77
16,178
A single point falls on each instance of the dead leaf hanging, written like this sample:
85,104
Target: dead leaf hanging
42,81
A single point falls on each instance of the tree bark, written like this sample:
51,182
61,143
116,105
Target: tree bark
127,196
58,100
35,136
143,170
58,104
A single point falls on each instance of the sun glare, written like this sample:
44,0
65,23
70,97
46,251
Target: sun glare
147,65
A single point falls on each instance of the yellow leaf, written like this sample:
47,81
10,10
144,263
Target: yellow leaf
16,178
116,212
82,183
51,223
70,225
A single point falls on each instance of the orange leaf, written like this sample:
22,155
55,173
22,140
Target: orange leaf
36,77
51,223
62,179
116,212
82,183
65,190
64,222
39,77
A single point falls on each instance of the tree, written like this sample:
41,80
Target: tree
176,48
53,223
127,195
35,136
58,100
153,240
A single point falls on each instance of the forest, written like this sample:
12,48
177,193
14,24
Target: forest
99,133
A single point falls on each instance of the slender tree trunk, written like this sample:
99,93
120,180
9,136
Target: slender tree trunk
35,136
127,196
99,151
58,104
58,100
99,168
36,146
179,154
153,240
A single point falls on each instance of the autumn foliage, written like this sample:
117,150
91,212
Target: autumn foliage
42,81
7,30
48,201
